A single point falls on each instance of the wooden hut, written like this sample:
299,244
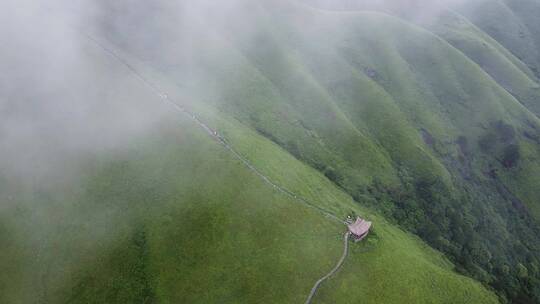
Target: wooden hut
359,229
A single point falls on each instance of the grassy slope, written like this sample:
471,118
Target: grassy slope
519,31
352,93
187,223
307,86
356,89
519,34
172,217
452,79
498,62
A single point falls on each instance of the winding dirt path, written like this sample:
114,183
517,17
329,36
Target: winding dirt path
334,270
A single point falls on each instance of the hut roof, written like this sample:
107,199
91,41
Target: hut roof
360,227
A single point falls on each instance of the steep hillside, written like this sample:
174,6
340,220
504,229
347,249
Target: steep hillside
422,118
407,116
519,31
168,215
503,66
186,222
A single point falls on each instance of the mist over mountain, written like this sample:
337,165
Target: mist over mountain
180,152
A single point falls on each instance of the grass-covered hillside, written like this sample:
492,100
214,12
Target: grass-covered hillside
175,218
425,121
170,216
519,32
431,121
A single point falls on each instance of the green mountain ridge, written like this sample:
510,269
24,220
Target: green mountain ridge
175,217
429,127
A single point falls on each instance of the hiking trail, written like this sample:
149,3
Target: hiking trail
333,271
